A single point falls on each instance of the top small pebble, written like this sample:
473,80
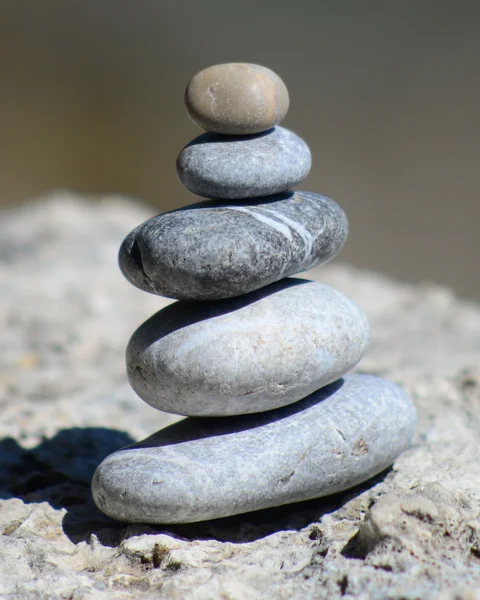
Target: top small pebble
236,99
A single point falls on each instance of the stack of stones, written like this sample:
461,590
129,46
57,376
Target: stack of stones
255,359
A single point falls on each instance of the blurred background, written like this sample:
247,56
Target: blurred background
387,95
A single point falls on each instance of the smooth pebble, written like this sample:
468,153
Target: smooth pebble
222,167
201,469
209,251
236,99
248,354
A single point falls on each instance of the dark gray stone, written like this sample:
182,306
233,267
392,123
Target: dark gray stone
208,468
216,250
248,354
226,167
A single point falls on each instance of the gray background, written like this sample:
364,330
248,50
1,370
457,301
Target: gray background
386,93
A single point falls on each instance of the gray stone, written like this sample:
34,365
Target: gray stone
218,166
208,468
236,99
249,354
209,251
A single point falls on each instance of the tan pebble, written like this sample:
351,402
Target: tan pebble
236,99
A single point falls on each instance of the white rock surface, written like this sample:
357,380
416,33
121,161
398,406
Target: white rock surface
66,315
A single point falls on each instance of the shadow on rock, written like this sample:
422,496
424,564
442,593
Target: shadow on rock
59,471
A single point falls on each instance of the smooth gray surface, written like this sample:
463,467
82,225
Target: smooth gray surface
218,250
249,354
226,167
208,468
236,99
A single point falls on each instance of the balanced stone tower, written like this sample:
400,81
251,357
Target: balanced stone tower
256,359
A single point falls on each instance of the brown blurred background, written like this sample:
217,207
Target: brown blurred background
386,93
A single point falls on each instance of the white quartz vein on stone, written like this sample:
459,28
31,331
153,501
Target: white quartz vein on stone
264,219
301,230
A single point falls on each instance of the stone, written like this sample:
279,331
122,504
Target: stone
236,99
217,166
213,250
248,354
201,469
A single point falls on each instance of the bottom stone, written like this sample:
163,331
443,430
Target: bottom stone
206,468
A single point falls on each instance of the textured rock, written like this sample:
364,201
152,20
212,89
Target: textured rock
209,468
210,251
65,309
404,522
217,166
248,354
236,99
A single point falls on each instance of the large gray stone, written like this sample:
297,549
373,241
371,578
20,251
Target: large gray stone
249,354
217,250
218,166
208,468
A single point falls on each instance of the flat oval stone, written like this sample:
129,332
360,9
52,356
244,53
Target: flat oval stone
248,354
201,469
236,99
209,251
216,166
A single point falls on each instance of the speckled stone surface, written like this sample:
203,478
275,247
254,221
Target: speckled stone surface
225,167
209,251
207,468
248,354
236,99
